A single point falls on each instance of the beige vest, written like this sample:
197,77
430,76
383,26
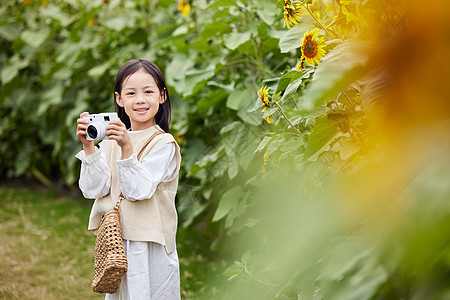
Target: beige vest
151,220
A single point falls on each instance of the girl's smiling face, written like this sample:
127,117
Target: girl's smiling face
140,97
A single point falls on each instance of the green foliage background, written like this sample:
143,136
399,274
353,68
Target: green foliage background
59,59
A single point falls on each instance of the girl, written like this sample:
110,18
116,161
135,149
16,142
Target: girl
148,216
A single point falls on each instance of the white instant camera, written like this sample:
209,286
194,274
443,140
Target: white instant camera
96,129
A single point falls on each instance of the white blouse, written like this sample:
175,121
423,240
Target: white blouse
138,181
152,273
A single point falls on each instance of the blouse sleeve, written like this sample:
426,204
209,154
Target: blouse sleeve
95,175
138,181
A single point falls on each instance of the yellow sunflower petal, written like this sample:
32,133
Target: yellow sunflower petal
269,119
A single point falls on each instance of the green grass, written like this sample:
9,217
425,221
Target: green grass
47,252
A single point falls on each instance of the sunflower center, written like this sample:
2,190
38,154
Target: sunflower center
309,47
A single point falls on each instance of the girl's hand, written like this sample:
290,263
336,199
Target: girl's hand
88,146
118,132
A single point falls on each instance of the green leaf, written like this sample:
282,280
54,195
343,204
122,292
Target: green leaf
270,111
56,13
239,140
221,3
250,117
182,29
233,165
235,39
98,70
12,68
23,159
296,81
233,270
186,79
213,99
263,143
292,39
242,100
80,105
343,257
284,80
177,68
10,31
323,132
117,23
346,147
229,200
195,209
266,11
35,38
226,87
339,68
206,160
237,97
51,97
195,77
215,29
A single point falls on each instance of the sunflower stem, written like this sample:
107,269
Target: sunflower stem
258,57
346,97
240,61
385,12
318,22
337,103
280,64
324,7
287,119
195,18
327,160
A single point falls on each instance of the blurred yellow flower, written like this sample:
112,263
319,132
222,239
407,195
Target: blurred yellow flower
312,48
184,8
263,95
268,119
91,22
266,159
346,7
179,138
292,13
348,18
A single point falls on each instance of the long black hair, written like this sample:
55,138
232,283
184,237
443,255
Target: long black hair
162,117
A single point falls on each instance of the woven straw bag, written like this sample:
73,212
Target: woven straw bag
110,258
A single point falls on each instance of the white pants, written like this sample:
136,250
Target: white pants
152,273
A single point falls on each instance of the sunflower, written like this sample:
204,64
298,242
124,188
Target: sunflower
184,8
312,48
301,64
292,13
263,94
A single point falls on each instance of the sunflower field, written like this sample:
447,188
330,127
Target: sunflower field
315,134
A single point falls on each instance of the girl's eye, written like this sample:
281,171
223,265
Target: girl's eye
148,92
130,93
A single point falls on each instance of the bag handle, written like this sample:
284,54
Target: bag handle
121,196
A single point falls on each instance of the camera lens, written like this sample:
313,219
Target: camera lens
96,130
92,132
